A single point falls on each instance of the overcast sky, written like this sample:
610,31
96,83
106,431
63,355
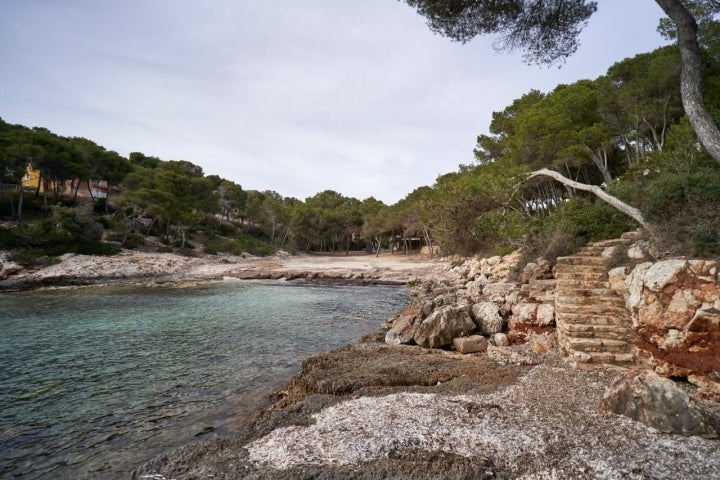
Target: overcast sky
357,96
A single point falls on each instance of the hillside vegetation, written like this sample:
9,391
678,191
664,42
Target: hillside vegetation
625,130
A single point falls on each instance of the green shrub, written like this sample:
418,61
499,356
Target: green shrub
588,219
35,257
215,245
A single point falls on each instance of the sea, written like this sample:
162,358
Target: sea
95,381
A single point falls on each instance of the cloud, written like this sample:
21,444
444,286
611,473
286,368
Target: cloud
296,97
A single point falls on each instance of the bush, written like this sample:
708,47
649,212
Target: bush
215,245
588,219
680,201
132,241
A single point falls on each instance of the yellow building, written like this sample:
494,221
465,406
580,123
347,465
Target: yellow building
31,179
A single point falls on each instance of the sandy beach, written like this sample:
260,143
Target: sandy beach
167,268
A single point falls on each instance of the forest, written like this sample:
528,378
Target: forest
625,132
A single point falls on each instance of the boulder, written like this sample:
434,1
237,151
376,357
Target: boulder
471,344
524,313
443,325
500,340
487,317
542,343
404,327
545,314
646,397
496,292
675,308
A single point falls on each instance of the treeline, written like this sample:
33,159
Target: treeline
625,130
84,198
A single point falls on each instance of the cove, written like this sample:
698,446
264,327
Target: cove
95,381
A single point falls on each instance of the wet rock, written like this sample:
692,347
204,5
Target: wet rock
443,325
471,344
646,397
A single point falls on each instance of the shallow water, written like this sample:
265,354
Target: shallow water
95,381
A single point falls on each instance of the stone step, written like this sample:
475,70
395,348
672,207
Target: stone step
596,345
581,269
574,283
587,291
607,243
626,359
590,252
611,332
617,310
578,260
573,275
576,318
601,300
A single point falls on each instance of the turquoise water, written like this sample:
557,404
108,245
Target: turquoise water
93,382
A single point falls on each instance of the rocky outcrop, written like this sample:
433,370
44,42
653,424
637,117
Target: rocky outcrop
644,396
664,313
675,311
501,310
7,266
377,411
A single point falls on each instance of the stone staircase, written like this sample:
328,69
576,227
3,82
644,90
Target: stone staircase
593,326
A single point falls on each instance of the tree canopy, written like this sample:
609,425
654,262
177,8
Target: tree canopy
547,31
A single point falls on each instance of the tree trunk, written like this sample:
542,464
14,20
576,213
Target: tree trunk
600,159
92,197
615,202
21,197
691,77
46,184
107,199
77,187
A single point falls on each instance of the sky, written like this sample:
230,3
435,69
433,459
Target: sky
356,96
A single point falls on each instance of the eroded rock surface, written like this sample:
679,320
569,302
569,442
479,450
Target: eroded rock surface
644,396
541,422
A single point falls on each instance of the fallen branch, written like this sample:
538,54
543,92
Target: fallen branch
631,212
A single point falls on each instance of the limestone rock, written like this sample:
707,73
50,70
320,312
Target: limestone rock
500,340
646,397
616,279
525,313
487,317
496,292
542,343
513,356
402,328
545,314
661,274
443,325
471,344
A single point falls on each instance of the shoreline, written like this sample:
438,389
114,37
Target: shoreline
131,268
405,412
371,410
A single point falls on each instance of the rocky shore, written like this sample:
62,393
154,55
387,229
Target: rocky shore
516,404
495,371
